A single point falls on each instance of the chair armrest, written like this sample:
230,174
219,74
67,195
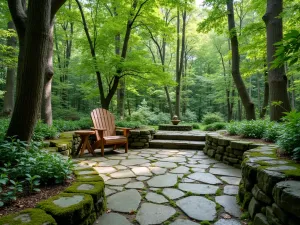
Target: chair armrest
125,130
100,129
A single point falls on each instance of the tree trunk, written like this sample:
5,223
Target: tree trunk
30,88
266,97
46,112
9,98
276,76
246,101
178,87
121,88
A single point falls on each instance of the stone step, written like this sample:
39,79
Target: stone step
181,136
177,144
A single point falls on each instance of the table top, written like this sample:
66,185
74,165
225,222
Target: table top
84,132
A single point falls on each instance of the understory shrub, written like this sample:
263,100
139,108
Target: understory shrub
160,118
289,139
196,126
43,131
233,127
253,128
63,125
189,116
24,166
66,114
210,118
215,126
272,132
128,124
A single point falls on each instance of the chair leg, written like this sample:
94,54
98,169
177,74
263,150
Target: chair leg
126,147
102,149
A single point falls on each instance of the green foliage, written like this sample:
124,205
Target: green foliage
128,124
28,161
233,128
253,128
63,125
215,126
205,222
210,118
24,166
289,140
272,132
66,114
195,126
43,131
189,116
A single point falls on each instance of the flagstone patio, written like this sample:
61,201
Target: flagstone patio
177,187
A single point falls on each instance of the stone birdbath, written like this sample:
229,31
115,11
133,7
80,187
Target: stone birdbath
175,120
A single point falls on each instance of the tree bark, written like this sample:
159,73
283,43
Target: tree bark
31,79
276,76
46,112
266,97
246,101
9,96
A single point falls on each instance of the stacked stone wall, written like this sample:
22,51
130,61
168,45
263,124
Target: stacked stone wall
270,187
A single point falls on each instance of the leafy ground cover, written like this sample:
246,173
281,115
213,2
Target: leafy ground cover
24,168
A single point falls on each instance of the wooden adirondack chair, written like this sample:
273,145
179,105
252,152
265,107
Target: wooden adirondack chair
104,125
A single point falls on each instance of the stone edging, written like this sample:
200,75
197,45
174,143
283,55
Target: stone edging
79,204
169,127
270,187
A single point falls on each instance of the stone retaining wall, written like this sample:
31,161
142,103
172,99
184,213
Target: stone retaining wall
79,204
170,127
270,187
225,149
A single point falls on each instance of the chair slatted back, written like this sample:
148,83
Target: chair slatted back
102,118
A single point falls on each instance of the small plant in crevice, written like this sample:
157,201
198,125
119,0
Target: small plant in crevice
172,203
219,192
218,206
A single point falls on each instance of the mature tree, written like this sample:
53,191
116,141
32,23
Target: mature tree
9,96
279,101
247,103
33,26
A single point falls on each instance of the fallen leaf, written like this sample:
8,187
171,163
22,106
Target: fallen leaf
226,216
108,211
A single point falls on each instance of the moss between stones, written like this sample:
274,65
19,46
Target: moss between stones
66,135
83,168
97,192
69,215
37,216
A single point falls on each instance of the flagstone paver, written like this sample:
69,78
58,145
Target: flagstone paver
168,180
123,174
184,222
136,185
227,172
231,190
125,201
229,204
156,198
200,189
181,169
231,180
205,178
165,164
150,213
118,181
172,193
112,219
105,170
142,171
155,173
198,207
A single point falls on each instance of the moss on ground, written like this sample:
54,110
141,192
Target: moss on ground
37,217
71,214
89,178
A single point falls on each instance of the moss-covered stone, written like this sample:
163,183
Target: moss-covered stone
89,220
86,171
28,216
95,189
241,145
68,208
89,178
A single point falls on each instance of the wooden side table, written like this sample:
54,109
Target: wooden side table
84,143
